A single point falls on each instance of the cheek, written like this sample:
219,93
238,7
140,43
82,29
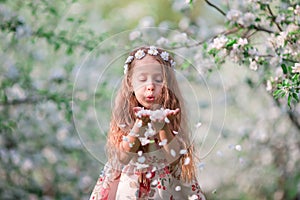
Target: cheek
159,88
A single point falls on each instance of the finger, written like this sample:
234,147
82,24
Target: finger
137,109
173,112
177,110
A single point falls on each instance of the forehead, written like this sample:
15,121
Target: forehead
147,65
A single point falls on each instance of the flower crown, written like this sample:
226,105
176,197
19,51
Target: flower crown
151,51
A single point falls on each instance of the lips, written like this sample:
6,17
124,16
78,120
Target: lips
150,98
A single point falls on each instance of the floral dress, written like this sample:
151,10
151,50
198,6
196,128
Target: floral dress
152,179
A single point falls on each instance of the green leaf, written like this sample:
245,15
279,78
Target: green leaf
276,93
185,65
284,68
230,43
213,51
69,50
295,96
289,99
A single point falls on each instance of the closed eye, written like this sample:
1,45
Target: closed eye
142,78
158,79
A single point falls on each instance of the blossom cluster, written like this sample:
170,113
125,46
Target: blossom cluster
278,55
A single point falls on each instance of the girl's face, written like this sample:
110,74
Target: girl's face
147,81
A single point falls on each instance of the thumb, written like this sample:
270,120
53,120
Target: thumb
136,109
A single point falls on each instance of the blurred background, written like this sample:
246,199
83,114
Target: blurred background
61,64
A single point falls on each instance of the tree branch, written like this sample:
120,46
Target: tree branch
226,32
216,7
292,115
273,17
259,28
14,102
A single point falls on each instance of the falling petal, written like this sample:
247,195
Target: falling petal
193,197
173,153
154,169
219,153
198,125
242,161
141,159
144,141
231,146
238,147
187,161
140,123
214,191
148,175
177,188
163,142
183,151
140,153
201,166
167,120
175,132
154,183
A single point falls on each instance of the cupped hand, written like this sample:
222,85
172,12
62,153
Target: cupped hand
142,115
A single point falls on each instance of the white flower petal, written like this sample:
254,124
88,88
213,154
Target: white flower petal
173,153
125,68
141,159
193,197
187,161
139,54
177,188
140,153
129,59
152,51
238,147
183,151
165,56
148,175
163,142
201,166
175,132
198,125
154,182
154,169
167,120
140,123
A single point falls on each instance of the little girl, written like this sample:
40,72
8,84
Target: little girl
149,151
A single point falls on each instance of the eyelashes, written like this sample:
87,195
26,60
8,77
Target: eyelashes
155,80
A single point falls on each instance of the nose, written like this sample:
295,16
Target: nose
150,87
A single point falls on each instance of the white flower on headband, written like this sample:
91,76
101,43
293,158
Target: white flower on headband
165,55
125,68
139,54
129,59
152,51
173,63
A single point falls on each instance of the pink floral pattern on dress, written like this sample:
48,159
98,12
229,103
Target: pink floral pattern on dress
150,184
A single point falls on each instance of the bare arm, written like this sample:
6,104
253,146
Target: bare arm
131,144
173,146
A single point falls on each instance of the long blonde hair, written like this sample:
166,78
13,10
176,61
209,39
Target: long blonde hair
123,116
